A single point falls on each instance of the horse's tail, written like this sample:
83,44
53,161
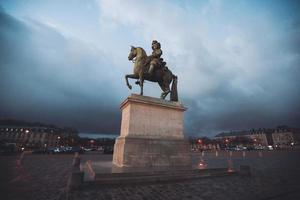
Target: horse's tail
174,94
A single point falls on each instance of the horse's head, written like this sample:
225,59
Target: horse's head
133,53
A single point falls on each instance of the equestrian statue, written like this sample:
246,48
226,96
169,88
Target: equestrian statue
152,68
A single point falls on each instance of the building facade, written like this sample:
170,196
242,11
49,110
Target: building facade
31,137
280,137
284,137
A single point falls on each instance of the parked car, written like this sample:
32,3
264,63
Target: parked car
87,149
39,151
239,148
53,150
67,150
253,148
108,150
230,148
76,149
270,147
259,148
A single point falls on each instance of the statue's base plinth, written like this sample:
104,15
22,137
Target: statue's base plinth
151,134
140,152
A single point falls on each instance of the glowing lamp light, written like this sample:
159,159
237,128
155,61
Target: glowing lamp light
27,131
202,164
199,141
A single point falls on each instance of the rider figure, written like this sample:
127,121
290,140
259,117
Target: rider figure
155,58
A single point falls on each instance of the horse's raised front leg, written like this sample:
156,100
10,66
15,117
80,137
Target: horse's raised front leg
133,76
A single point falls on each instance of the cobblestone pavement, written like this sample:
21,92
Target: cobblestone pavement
209,188
35,176
276,175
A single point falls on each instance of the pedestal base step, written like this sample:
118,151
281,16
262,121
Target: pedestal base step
156,177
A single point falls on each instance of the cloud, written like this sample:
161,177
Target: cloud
237,62
46,76
230,76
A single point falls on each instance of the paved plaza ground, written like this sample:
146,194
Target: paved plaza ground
275,175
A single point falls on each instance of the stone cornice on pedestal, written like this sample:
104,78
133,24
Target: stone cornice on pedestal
152,101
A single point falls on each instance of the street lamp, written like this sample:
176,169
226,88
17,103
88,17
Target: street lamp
255,141
58,140
226,142
92,143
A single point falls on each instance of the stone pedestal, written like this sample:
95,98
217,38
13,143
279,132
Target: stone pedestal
151,134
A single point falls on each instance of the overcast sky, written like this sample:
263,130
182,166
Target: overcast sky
238,62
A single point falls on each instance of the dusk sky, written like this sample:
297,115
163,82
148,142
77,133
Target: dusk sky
237,62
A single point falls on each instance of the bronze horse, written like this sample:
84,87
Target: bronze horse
163,77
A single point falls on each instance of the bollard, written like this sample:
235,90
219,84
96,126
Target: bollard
90,170
244,154
76,159
230,167
76,178
202,153
245,170
202,164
